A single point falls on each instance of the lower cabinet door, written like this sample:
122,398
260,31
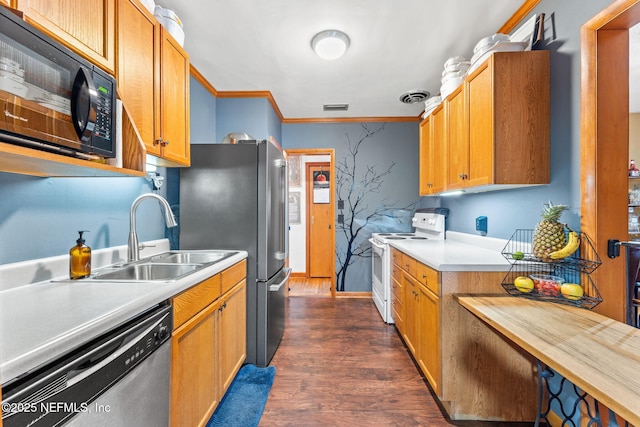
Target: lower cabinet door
232,333
429,341
194,394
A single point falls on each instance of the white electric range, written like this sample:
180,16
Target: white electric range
429,223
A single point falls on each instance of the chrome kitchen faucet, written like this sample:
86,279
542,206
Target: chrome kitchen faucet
133,252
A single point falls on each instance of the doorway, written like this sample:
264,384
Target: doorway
604,147
313,265
320,254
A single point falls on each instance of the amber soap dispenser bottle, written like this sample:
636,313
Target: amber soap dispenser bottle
80,259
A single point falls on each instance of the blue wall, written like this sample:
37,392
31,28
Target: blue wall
511,209
254,116
203,114
40,217
393,143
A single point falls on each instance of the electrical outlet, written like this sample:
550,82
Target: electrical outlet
481,225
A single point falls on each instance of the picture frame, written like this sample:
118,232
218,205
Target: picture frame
294,171
294,207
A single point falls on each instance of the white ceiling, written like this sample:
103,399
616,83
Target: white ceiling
396,46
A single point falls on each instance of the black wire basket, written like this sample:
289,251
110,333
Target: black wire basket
548,279
519,249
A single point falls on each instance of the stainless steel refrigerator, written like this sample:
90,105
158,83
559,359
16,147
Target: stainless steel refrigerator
234,196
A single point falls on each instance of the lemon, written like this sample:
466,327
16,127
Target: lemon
523,284
572,291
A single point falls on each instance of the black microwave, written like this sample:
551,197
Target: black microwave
50,97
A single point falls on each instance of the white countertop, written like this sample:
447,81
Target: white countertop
41,321
458,252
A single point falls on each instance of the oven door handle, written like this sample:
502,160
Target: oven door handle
383,247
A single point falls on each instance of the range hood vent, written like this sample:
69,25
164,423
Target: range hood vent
335,107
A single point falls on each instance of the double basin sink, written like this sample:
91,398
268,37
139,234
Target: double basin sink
164,267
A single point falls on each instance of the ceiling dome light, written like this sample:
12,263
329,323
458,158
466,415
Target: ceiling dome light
330,44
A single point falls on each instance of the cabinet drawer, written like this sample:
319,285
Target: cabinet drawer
409,265
233,275
396,272
428,277
191,301
396,256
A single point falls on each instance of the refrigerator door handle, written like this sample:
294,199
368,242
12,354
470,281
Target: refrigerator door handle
282,255
276,286
281,163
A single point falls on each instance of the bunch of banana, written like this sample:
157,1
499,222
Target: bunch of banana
573,243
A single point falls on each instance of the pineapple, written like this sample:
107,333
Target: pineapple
549,235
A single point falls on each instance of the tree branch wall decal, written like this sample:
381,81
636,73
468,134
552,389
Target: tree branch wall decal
354,186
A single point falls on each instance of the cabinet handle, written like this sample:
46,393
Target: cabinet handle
157,141
165,143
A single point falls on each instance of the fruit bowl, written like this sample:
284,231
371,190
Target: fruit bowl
546,284
559,283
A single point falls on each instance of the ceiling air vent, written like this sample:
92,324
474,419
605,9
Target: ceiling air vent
414,96
335,107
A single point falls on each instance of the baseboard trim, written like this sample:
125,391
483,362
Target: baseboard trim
353,294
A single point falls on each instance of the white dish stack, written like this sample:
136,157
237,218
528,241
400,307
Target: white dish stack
170,21
455,69
495,43
431,104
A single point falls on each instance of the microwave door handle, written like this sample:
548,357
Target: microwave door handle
84,104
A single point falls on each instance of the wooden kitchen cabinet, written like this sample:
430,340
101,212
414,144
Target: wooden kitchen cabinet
428,351
505,122
232,330
88,27
456,352
432,152
153,81
493,131
457,139
397,298
421,332
8,4
194,394
412,312
208,344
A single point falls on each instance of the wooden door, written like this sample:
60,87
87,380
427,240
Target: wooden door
174,100
137,68
412,311
91,32
438,150
193,378
320,253
231,330
426,158
481,126
429,340
457,140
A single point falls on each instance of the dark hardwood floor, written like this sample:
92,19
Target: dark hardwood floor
339,365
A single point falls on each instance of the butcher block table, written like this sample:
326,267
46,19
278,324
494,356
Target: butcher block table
599,355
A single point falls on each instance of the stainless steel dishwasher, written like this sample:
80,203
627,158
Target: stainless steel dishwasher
118,379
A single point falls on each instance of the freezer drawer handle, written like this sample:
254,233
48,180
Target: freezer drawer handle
277,286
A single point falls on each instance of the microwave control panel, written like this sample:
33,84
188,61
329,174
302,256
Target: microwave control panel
104,126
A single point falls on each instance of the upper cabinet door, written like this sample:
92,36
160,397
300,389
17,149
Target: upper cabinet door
174,101
457,139
88,27
481,128
138,69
